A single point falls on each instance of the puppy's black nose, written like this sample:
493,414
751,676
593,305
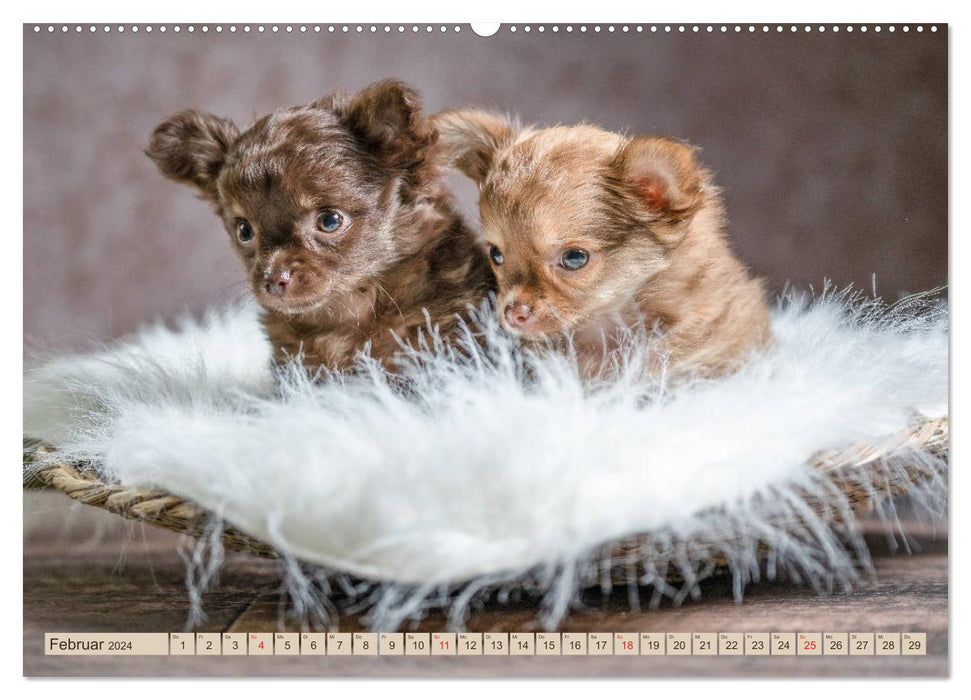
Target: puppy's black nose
518,314
277,282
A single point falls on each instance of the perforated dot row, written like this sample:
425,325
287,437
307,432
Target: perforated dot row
724,28
427,28
248,28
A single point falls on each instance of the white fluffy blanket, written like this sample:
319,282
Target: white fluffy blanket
477,475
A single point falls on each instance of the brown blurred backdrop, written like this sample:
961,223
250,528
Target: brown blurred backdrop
831,148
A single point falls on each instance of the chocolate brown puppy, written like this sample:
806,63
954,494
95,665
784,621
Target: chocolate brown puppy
340,216
590,232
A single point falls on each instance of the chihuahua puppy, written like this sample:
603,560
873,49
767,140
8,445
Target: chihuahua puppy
340,216
591,232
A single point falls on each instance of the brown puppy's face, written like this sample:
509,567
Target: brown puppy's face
577,219
308,195
305,213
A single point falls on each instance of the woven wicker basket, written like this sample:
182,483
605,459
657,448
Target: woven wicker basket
864,475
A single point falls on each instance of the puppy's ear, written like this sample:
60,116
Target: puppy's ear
191,147
663,175
471,138
387,118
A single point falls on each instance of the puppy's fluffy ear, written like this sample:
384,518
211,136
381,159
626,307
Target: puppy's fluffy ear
471,138
663,175
387,118
191,147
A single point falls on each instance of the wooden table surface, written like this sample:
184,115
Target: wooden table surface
86,570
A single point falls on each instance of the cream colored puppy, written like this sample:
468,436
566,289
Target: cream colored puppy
590,232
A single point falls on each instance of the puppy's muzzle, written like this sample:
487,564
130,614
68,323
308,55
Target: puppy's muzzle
277,282
518,315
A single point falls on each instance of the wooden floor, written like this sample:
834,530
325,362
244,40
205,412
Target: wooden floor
88,571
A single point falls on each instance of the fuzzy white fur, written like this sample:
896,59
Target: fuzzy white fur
478,475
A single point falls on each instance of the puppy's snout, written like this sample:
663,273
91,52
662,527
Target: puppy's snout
518,314
276,282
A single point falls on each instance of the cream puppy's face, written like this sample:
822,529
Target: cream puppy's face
577,219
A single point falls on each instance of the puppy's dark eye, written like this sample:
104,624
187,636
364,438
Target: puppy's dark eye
244,232
495,255
330,220
574,258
